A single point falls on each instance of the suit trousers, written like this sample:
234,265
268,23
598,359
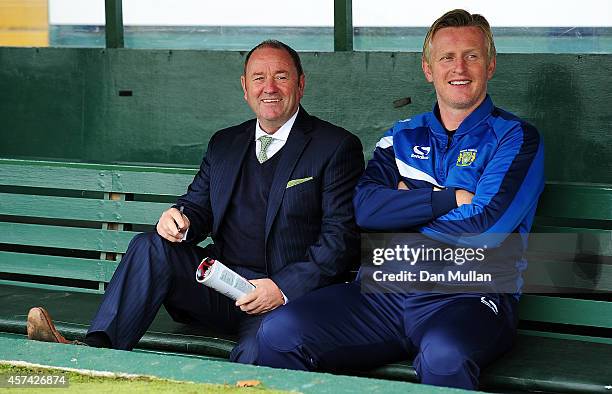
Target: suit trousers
342,329
154,272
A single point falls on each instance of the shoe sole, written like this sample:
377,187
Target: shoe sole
40,327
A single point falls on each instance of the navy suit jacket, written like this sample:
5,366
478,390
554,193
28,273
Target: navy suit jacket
311,236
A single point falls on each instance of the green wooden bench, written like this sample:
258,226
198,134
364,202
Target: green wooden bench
64,227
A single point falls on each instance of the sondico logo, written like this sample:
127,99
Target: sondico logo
421,152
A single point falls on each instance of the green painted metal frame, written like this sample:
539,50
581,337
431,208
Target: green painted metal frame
114,23
343,25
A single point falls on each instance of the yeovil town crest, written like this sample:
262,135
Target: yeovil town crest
466,157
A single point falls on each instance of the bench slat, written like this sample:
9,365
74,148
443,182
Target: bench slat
57,266
57,177
92,177
577,201
44,286
148,168
585,277
566,311
65,237
573,337
570,240
160,184
547,229
135,212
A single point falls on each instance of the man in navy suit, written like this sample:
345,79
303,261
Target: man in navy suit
274,194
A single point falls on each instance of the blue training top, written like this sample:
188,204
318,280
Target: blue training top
493,154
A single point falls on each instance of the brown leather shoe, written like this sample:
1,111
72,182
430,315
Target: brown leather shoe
41,328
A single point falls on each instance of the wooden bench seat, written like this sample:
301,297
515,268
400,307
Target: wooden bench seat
64,227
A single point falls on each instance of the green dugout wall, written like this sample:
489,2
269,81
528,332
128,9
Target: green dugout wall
161,106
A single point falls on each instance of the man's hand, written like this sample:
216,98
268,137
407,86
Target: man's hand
172,225
463,197
266,297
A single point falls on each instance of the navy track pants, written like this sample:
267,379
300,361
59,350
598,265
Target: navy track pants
340,328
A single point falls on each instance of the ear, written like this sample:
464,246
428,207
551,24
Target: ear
426,69
243,83
491,68
301,85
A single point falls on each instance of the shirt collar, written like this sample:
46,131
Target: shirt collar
481,112
280,134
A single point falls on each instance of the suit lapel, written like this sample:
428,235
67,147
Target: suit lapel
291,152
229,171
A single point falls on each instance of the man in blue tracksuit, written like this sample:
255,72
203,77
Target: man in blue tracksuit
467,174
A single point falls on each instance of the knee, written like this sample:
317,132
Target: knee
146,240
147,244
280,331
444,358
147,249
280,342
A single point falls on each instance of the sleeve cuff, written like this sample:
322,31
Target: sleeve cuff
443,202
184,236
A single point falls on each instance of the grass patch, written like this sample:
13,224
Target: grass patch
82,383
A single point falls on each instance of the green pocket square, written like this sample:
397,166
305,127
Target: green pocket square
294,182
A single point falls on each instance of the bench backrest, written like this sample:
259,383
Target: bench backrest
66,225
569,278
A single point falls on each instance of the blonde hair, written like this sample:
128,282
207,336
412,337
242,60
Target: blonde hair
460,18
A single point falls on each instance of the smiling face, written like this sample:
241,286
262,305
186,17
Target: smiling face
459,68
272,87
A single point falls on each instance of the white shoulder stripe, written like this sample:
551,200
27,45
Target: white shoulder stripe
385,142
410,172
